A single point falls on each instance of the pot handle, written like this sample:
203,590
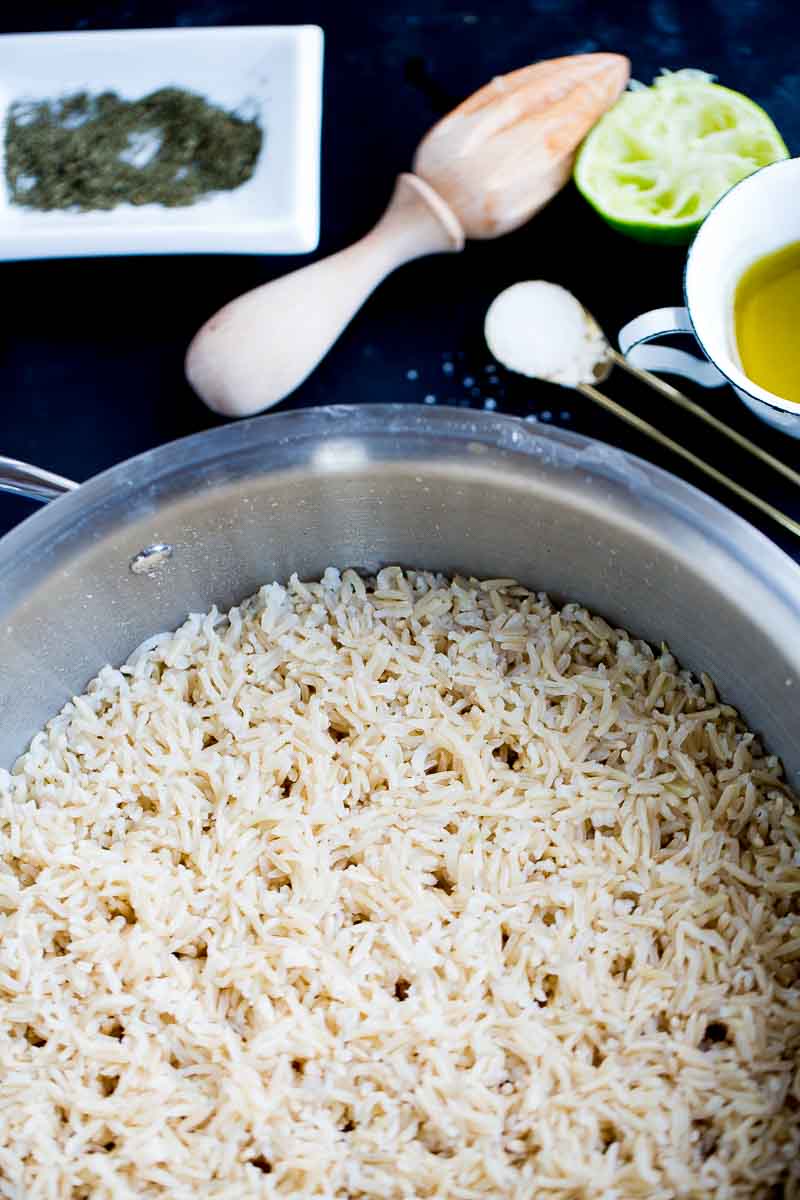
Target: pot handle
23,479
664,322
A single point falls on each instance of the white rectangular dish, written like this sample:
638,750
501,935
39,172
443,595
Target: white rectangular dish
272,72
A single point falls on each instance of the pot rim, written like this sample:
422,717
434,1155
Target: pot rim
340,437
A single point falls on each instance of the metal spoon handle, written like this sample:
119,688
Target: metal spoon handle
645,427
23,479
671,393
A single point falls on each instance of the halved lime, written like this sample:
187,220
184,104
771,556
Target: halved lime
663,155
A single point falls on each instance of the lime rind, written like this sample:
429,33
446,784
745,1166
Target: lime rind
661,158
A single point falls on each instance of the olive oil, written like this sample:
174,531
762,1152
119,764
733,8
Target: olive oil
767,322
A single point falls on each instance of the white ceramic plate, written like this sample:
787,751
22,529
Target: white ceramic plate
273,72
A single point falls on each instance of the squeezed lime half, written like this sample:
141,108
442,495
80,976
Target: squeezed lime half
656,163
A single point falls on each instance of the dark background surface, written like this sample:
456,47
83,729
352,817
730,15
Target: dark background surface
91,351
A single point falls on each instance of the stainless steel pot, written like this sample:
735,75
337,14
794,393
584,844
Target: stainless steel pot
208,519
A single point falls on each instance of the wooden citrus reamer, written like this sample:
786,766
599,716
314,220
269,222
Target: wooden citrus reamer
482,171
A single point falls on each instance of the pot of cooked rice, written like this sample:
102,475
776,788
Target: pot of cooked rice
397,803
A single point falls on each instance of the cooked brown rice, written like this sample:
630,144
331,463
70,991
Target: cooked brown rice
400,888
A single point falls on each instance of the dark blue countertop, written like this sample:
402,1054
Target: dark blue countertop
92,350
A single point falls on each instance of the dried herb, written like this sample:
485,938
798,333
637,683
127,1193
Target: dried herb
95,152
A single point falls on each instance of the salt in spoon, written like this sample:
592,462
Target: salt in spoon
574,352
